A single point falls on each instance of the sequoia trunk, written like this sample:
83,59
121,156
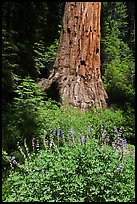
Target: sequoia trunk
76,70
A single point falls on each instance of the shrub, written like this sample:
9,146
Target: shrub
5,164
84,172
21,120
118,63
31,117
45,57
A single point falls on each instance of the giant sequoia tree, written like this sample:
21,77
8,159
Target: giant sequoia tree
76,74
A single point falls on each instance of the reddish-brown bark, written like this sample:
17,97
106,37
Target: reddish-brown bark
76,70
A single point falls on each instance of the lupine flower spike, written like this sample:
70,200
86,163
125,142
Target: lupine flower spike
58,134
63,137
33,144
82,139
37,146
71,134
27,150
21,151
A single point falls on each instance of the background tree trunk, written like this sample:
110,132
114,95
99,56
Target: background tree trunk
76,71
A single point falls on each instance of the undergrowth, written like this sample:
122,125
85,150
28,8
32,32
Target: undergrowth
83,170
69,155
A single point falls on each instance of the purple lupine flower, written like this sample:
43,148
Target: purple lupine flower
120,168
58,132
13,160
71,134
117,132
63,136
82,139
37,146
46,143
123,144
42,171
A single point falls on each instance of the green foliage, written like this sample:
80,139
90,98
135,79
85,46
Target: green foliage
39,51
26,38
30,116
45,56
131,25
22,118
92,123
50,55
118,63
5,164
9,65
27,90
83,173
129,124
64,172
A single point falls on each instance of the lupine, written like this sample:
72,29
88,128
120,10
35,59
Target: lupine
117,132
37,146
63,136
71,133
42,171
82,139
45,142
58,134
21,151
121,142
51,139
13,160
120,168
27,150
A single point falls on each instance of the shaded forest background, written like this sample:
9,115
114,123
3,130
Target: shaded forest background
30,38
